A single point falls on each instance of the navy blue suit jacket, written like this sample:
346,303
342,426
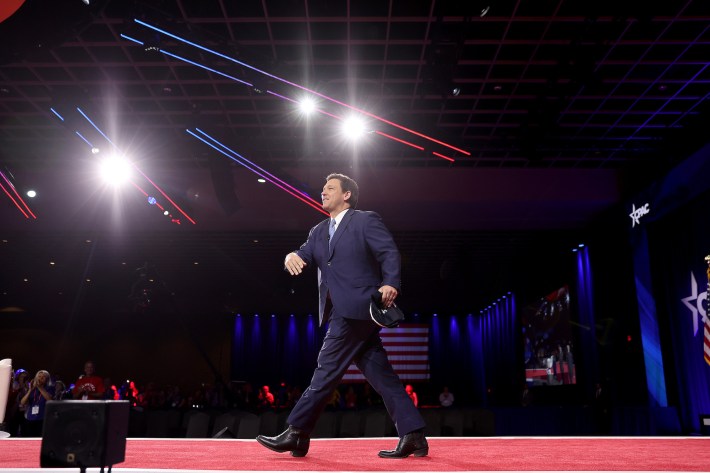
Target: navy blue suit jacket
362,257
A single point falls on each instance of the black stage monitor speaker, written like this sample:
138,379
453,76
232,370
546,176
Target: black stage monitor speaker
705,424
84,434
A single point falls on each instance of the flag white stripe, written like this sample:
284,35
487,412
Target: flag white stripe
386,340
398,367
407,350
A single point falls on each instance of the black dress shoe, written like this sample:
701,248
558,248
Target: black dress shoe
290,440
412,443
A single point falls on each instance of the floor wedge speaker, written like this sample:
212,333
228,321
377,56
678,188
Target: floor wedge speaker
84,434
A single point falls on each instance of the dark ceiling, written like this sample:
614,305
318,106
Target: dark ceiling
549,83
557,104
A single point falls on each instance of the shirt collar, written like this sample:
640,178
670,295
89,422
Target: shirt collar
339,218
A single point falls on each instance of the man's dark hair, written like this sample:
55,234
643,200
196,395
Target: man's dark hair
347,184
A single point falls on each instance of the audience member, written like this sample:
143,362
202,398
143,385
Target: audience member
266,399
525,396
602,410
248,398
89,386
281,399
333,403
370,396
153,397
412,395
35,400
15,414
294,394
351,401
446,398
60,391
174,398
129,392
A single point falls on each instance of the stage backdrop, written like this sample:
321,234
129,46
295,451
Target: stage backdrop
476,355
678,245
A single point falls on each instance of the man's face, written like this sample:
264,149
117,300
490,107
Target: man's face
89,369
333,196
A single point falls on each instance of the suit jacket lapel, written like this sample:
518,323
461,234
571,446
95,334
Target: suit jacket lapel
340,230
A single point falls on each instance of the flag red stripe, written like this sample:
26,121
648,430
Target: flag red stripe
407,349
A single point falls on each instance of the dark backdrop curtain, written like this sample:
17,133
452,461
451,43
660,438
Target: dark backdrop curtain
478,356
267,349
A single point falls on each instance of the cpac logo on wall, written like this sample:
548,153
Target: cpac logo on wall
637,213
694,302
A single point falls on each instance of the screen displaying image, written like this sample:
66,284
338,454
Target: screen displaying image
547,334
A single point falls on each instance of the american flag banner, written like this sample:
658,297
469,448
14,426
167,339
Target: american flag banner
407,347
707,340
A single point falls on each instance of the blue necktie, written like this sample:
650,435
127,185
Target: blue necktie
331,230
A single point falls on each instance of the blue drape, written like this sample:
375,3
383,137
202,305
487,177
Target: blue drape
267,349
587,321
476,355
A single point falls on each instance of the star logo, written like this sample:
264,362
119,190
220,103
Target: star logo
637,213
694,302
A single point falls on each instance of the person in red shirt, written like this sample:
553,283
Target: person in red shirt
266,398
89,386
412,395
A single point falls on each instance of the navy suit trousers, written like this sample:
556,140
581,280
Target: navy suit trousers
349,340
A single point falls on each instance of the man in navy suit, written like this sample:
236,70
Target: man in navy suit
356,257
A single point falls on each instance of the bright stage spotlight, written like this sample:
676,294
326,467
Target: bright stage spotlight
307,106
353,128
115,170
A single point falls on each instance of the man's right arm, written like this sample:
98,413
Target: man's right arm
296,261
294,264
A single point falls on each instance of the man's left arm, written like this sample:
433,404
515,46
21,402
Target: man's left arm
383,247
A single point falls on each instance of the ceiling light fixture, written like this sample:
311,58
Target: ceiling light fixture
162,192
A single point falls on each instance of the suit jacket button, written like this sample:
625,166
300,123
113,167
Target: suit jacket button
328,263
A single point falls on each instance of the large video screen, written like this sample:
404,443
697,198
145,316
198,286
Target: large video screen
547,334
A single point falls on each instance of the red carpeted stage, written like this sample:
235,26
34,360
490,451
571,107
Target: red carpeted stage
446,454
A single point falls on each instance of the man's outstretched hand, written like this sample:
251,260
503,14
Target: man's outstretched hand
294,264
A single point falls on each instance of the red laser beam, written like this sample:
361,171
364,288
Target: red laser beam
27,207
157,204
442,156
400,140
13,201
166,196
